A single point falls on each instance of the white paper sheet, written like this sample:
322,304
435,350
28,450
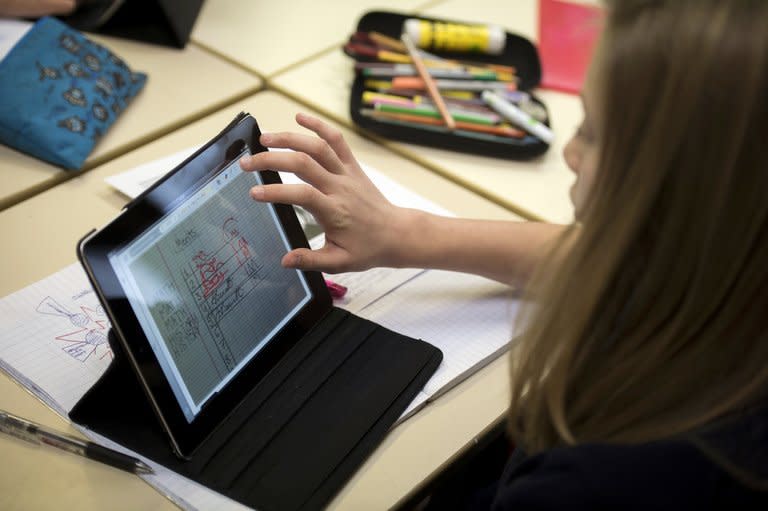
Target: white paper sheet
134,181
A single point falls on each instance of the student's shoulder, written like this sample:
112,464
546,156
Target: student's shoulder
659,475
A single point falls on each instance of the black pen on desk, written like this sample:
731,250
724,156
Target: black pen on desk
37,434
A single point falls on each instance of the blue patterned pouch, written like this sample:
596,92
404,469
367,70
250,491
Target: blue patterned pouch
60,92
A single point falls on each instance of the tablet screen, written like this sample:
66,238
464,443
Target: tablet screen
207,286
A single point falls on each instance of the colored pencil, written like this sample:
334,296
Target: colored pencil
385,86
429,82
488,119
370,52
370,97
393,70
393,44
472,105
503,130
408,69
413,83
387,42
440,128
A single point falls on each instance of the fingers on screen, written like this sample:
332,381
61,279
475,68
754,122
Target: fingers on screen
302,195
301,164
328,259
315,147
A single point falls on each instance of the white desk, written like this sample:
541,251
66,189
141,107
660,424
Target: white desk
267,37
45,229
535,189
182,85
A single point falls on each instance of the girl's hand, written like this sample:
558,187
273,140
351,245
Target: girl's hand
361,226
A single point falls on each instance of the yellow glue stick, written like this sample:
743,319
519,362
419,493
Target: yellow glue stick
440,36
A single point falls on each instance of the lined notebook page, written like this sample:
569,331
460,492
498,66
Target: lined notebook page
469,318
54,334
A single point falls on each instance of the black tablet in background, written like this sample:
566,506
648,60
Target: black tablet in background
165,22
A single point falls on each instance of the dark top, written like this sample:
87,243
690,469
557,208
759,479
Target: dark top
663,475
672,474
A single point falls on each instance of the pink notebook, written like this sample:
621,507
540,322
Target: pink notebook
567,34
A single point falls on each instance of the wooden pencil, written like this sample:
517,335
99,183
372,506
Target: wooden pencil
386,41
429,83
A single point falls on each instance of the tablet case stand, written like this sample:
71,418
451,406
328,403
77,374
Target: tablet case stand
164,22
300,433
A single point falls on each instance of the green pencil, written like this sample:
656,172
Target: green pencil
442,129
429,111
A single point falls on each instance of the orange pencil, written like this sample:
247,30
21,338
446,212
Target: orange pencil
428,82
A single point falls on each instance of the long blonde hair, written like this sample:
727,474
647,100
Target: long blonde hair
655,321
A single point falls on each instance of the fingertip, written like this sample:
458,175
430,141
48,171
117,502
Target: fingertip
266,139
245,163
292,260
305,119
257,193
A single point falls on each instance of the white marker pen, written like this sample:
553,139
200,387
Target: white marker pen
518,117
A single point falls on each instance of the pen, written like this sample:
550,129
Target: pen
518,117
429,82
37,434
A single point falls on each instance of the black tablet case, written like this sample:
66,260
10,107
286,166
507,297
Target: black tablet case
163,22
304,428
518,52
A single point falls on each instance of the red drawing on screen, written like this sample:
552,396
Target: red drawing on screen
216,272
236,241
210,270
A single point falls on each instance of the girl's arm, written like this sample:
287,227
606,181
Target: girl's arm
364,230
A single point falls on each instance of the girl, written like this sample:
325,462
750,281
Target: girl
640,381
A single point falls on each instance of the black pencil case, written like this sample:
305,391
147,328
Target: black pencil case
519,53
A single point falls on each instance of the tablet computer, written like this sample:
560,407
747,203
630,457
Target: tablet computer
190,277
